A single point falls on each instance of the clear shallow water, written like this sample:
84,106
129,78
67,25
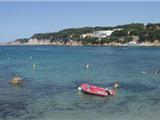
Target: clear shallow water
50,91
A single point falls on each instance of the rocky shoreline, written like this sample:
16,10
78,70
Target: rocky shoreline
75,43
156,43
68,44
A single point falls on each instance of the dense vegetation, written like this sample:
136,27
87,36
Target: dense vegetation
128,32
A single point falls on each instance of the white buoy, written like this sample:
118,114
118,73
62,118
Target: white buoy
143,72
79,88
87,66
34,66
30,57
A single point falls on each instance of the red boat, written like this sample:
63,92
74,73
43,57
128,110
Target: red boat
91,89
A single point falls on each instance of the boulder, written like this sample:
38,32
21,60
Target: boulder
16,80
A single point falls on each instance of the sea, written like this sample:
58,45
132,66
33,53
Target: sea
52,74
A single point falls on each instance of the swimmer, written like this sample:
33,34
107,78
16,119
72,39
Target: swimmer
157,71
116,85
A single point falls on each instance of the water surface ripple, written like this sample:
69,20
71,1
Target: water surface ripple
50,89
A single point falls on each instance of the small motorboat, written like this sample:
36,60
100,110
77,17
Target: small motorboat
94,90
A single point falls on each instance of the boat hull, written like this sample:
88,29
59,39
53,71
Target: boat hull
94,90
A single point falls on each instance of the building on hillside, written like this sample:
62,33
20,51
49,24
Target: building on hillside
99,34
87,35
104,33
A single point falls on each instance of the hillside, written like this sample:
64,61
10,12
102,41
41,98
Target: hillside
121,34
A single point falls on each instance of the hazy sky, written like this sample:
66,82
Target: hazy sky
22,19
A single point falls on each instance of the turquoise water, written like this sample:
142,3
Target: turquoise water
50,91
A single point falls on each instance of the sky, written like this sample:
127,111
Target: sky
23,19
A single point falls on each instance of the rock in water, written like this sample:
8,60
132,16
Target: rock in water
16,80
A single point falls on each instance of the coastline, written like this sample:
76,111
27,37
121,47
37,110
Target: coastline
144,44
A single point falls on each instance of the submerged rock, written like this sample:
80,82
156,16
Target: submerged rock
16,80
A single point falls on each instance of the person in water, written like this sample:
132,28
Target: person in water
157,71
116,85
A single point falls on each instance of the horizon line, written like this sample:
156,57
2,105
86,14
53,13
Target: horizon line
79,0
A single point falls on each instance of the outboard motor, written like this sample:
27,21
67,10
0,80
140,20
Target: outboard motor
112,92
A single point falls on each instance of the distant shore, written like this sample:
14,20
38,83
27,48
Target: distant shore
134,34
144,44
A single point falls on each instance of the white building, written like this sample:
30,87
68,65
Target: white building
87,35
102,33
